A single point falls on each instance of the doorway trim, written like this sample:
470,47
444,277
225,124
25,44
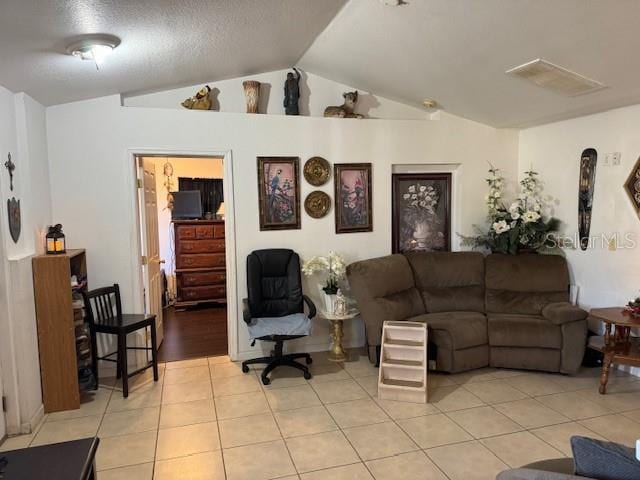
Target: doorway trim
230,230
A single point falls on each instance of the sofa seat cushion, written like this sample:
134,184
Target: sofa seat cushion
515,330
455,330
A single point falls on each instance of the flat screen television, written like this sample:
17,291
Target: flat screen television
186,205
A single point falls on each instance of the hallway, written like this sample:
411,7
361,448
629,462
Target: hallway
193,333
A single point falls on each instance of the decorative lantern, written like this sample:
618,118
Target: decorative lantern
55,240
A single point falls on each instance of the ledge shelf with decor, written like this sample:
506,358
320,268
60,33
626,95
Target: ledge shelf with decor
403,362
66,366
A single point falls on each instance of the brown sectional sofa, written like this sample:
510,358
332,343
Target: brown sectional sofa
500,310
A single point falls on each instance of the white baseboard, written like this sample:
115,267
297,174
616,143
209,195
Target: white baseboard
27,427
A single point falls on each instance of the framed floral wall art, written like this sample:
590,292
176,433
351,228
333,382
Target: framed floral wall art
421,205
279,193
353,197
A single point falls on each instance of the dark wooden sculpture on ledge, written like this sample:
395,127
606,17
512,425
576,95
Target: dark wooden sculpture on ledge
292,93
586,186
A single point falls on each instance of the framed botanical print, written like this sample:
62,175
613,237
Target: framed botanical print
353,197
421,206
279,193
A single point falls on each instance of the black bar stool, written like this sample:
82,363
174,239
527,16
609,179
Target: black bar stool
104,313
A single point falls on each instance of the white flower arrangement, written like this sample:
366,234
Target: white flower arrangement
333,264
521,226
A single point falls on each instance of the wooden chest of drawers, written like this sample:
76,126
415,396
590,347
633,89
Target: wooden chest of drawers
200,261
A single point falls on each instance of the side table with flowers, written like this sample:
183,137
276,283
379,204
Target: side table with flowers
336,309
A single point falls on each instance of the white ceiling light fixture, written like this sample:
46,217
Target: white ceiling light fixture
94,47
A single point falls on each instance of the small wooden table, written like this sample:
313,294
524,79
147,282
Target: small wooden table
616,345
337,353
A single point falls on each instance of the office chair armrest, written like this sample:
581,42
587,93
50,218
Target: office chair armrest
246,311
312,307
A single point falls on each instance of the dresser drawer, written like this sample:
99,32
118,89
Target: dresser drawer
185,232
200,260
204,231
201,278
202,293
218,230
201,246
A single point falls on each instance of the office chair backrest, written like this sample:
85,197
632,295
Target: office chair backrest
103,305
273,283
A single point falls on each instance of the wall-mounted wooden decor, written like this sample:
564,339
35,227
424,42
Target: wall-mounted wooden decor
632,186
586,185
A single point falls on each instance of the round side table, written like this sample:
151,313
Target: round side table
617,345
337,353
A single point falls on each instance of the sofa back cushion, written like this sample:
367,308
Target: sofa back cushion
384,289
525,283
449,281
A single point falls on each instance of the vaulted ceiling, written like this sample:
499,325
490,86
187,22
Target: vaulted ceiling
165,43
452,51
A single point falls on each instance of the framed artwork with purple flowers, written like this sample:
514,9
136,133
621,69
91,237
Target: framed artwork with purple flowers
279,193
421,205
353,197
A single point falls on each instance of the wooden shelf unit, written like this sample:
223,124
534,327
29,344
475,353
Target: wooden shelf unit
56,320
403,362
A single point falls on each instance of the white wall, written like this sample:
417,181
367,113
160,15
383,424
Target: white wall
90,144
23,133
316,93
182,167
605,277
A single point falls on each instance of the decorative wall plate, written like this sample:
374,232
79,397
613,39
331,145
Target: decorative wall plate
317,204
317,171
632,186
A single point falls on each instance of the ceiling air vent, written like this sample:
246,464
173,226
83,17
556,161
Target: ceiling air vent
555,78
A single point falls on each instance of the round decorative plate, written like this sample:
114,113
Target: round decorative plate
317,171
317,204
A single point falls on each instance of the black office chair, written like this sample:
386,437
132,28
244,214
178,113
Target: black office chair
104,315
275,291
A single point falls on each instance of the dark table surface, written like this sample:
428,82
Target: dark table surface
59,461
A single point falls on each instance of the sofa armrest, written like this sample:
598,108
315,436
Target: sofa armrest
246,311
532,474
563,312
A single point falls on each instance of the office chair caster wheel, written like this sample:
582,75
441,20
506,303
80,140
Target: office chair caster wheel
245,369
266,381
307,375
308,360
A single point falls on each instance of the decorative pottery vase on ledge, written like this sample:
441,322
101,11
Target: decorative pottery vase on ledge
252,95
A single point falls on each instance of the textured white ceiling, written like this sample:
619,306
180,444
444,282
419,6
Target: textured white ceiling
165,43
456,52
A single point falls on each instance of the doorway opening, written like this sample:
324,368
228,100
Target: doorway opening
183,252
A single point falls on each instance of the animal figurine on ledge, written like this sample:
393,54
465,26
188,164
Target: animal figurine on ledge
201,100
346,109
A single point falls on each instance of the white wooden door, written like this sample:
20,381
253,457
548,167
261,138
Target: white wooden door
153,279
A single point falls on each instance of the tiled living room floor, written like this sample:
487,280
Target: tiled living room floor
206,420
